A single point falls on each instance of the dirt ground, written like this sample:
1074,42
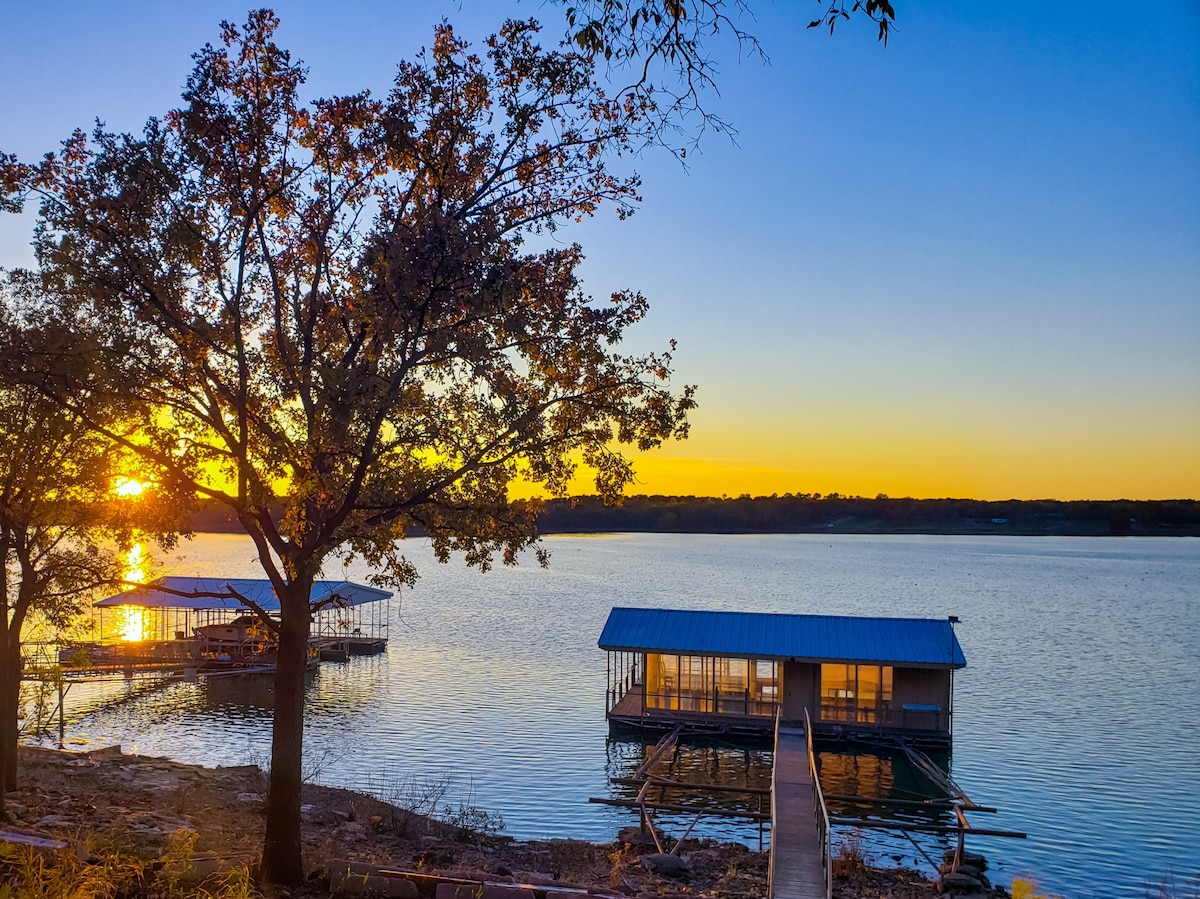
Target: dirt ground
139,803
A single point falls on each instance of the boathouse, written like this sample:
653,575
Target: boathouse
214,620
732,671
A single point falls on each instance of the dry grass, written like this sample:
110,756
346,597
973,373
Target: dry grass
850,858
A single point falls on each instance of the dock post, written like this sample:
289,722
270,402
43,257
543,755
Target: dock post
62,724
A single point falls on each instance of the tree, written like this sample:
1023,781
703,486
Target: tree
336,310
664,47
59,525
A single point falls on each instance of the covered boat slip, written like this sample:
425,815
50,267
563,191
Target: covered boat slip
177,619
731,671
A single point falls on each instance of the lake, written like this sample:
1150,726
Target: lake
1077,715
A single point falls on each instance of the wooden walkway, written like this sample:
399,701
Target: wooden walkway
796,845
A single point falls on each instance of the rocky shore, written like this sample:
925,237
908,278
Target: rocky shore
84,822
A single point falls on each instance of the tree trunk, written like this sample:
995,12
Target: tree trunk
10,696
282,862
10,691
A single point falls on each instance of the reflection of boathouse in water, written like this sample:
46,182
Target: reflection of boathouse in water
886,677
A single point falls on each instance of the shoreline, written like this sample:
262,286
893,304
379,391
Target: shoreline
216,815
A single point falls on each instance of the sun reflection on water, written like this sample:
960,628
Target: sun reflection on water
131,620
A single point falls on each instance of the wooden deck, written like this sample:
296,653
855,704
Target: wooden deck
796,869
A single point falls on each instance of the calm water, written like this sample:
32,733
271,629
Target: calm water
1078,714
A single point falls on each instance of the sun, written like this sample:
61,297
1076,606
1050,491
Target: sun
129,487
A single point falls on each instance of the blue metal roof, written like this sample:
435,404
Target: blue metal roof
198,593
928,642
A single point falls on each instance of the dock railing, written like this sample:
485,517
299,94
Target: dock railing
774,793
623,676
819,809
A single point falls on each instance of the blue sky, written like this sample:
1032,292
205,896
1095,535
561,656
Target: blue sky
967,264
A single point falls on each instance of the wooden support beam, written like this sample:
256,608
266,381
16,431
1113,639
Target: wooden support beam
661,748
940,804
879,824
683,809
682,785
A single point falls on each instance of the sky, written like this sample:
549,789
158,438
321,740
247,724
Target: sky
966,264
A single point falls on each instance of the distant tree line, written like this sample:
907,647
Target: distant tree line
835,513
812,512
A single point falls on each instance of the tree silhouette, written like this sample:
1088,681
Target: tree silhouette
331,320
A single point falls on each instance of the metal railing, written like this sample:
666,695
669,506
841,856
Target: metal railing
838,711
819,809
623,676
774,793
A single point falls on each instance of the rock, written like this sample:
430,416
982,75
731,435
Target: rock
359,879
533,877
665,865
30,839
352,831
203,865
482,891
485,876
250,797
974,859
957,883
635,836
55,821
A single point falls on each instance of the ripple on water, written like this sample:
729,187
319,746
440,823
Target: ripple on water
1076,716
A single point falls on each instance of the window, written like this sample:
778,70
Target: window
726,686
858,694
662,681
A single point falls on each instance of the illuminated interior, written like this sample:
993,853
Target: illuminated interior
859,694
727,686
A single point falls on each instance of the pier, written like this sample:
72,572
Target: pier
799,866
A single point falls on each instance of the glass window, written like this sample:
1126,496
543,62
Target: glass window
856,693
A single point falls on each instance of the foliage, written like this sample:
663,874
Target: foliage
330,319
103,870
473,823
58,524
665,47
1023,888
31,873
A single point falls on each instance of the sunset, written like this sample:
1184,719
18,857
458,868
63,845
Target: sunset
740,449
963,265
